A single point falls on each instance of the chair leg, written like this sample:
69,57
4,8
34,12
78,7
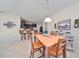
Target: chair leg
40,50
28,36
21,37
48,55
25,37
56,56
44,52
32,54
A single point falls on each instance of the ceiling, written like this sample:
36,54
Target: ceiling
35,10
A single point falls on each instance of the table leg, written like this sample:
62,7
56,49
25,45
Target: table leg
64,53
44,52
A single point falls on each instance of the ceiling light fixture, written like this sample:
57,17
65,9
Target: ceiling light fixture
47,20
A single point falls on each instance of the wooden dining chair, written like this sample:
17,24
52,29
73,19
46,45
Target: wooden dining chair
53,33
22,34
37,46
29,33
58,49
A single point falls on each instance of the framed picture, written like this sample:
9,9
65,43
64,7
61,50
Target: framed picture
76,23
55,26
64,25
9,24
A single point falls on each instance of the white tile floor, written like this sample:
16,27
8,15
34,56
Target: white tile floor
21,49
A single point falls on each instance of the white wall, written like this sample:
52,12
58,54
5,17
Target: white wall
71,12
9,34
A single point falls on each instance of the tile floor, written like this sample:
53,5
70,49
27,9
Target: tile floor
21,49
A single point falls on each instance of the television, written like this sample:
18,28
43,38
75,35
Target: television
34,25
28,25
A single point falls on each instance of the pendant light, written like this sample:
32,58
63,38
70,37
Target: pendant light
47,20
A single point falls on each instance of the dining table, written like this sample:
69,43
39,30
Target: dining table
48,41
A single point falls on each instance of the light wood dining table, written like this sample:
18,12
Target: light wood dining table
49,40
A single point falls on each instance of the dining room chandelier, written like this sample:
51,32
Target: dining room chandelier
47,19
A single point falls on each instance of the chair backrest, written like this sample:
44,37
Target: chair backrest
60,46
21,31
53,33
33,38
